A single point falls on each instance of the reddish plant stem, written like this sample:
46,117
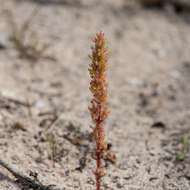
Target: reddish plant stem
98,109
98,151
98,163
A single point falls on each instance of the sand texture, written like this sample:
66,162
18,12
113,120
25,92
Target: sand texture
46,96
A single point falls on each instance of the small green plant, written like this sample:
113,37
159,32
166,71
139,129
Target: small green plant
30,48
52,143
98,108
181,155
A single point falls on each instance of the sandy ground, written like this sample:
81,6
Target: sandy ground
149,76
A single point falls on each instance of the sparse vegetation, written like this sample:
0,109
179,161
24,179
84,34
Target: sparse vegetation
44,124
27,43
52,144
181,155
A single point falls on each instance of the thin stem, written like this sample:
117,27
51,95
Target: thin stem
98,151
98,162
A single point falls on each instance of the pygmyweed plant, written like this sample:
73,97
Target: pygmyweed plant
98,108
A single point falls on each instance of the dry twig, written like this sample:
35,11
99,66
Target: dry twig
33,183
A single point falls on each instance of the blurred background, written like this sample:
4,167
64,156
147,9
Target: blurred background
44,96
